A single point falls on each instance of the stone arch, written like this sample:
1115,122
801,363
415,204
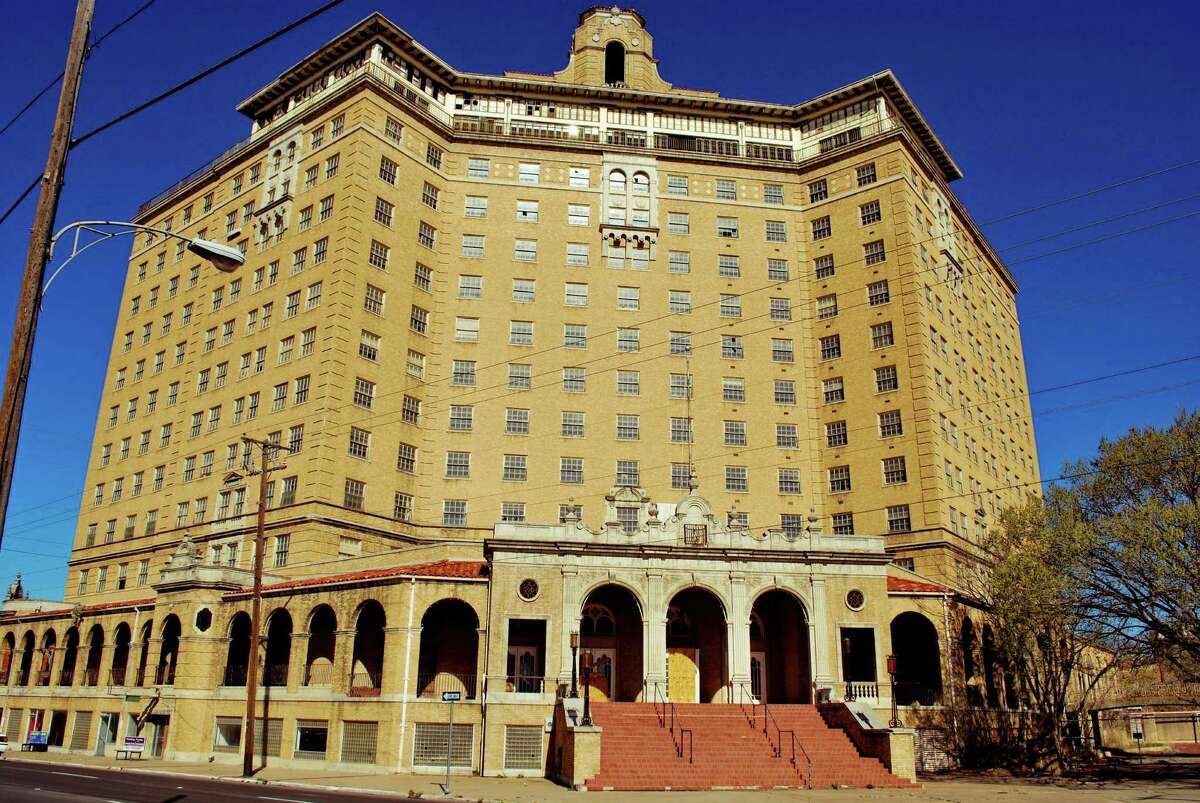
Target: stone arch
619,583
966,646
91,672
322,646
448,656
66,675
168,655
611,629
989,654
278,653
780,660
237,656
144,654
24,673
46,665
918,659
697,658
366,668
122,637
6,657
684,585
614,63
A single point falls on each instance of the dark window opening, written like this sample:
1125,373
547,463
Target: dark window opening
614,63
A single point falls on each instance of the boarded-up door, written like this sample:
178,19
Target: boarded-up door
683,674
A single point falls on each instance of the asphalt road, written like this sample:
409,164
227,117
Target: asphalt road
47,783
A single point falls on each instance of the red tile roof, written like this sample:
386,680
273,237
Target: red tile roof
902,585
457,569
20,616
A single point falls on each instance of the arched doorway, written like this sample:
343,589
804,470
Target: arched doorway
91,674
279,649
697,669
614,63
966,646
46,665
780,667
366,668
23,674
449,651
6,658
144,653
918,660
322,642
610,625
66,675
168,655
991,688
237,656
120,657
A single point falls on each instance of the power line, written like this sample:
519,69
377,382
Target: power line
141,107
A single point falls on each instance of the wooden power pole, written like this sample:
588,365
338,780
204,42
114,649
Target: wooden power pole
28,306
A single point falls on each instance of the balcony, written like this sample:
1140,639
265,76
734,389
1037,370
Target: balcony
432,684
235,675
318,675
365,684
116,676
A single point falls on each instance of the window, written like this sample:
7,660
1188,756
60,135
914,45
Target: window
513,512
737,479
579,177
466,330
574,380
678,222
523,290
629,298
570,470
881,335
628,429
789,480
520,376
877,293
575,336
454,512
679,262
886,379
776,231
304,222
516,421
578,214
433,156
462,417
520,333
831,347
839,479
898,519
681,476
354,494
576,295
729,266
843,523
836,434
827,306
364,393
572,425
384,212
312,297
529,173
478,168
464,373
865,174
629,475
894,471
727,227
387,170
818,191
301,392
628,339
378,256
426,234
822,228
577,254
326,208
870,213
282,542
515,468
310,177
475,206
733,389
726,190
472,245
458,465
406,458
629,383
730,306
679,301
873,252
681,343
527,211
833,390
731,347
782,350
681,430
735,433
786,436
368,346
890,424
525,250
373,300
429,195
677,185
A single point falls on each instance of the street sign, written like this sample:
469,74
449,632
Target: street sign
451,696
133,744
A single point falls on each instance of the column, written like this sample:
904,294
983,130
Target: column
821,641
655,644
297,662
739,635
343,660
571,603
391,670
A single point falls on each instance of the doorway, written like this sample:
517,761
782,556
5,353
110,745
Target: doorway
683,674
107,733
157,742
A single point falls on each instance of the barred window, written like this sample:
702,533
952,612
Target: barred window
789,480
836,434
833,390
822,228
898,519
886,379
572,425
785,391
881,335
777,270
737,479
870,213
843,523
877,293
894,471
839,479
823,266
458,465
890,424
570,470
516,421
873,252
831,347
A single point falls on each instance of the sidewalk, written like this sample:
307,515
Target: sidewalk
539,790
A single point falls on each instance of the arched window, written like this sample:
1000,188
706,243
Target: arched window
756,627
616,182
614,63
641,184
678,623
597,620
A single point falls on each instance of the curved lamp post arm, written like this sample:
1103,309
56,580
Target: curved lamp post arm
224,258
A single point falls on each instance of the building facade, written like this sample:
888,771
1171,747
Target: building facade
522,332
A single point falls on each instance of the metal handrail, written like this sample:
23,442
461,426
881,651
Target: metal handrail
768,721
744,691
669,710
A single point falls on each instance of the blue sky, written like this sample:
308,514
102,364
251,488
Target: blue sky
1035,100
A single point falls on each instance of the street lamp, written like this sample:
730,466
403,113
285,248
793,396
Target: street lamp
574,652
891,670
224,258
586,721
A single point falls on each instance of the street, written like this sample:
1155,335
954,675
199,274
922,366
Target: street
28,781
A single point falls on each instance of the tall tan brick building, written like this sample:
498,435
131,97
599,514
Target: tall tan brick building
493,315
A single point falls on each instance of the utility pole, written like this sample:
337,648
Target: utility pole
29,305
267,451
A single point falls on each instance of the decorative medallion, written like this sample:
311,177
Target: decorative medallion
528,590
855,599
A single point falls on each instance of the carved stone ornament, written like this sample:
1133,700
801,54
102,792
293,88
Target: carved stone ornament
186,555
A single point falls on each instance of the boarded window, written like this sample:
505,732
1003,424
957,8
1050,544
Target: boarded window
268,737
429,744
358,742
523,747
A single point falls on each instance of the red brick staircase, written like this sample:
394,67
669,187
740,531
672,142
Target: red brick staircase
726,751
